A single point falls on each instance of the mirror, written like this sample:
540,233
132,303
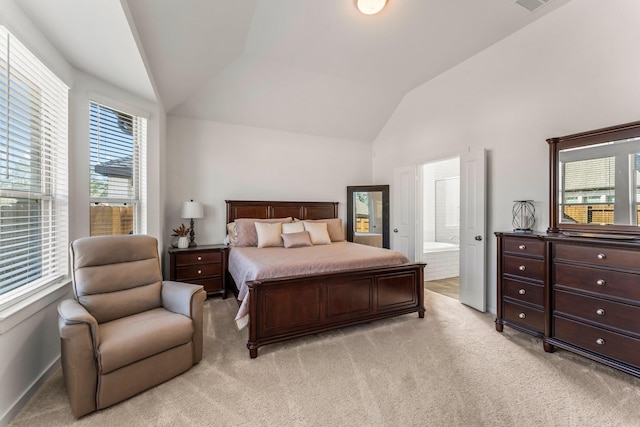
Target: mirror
595,181
368,215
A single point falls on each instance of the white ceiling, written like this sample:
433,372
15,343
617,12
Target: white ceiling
310,66
95,37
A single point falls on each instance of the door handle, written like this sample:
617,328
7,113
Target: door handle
395,230
478,238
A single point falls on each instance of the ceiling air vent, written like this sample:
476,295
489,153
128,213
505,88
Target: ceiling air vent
531,5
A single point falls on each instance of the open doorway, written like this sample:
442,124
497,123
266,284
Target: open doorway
441,226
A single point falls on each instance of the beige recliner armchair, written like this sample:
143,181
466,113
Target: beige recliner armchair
127,330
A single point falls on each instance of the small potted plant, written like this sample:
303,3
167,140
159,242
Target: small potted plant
182,233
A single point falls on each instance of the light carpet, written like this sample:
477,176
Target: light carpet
449,369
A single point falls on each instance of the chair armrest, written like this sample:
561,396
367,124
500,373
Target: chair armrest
179,297
72,312
78,341
188,300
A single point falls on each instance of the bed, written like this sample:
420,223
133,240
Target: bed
282,308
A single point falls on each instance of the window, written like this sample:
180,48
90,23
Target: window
118,171
600,183
33,173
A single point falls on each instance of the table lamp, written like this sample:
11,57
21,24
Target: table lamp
191,210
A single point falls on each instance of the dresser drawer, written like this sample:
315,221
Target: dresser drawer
524,267
607,313
524,246
523,315
211,284
604,282
201,265
598,256
198,271
523,291
198,258
600,341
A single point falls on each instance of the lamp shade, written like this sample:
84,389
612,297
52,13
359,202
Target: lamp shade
191,210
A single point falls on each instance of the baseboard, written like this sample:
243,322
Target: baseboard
35,385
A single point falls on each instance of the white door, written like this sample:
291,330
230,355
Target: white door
403,220
472,230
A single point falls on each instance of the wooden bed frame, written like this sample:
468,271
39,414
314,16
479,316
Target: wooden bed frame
291,307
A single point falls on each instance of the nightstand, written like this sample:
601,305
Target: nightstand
202,265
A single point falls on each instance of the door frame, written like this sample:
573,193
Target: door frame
419,212
420,200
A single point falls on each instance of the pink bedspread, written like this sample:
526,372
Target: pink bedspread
247,264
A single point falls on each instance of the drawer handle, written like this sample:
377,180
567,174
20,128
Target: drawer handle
199,271
600,341
522,268
522,247
522,315
522,292
601,256
199,258
600,312
600,282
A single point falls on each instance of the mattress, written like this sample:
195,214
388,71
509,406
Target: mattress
252,263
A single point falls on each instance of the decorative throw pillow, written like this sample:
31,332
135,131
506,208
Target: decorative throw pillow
246,230
292,227
334,227
231,234
318,232
269,234
296,240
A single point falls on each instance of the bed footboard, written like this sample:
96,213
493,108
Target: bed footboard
290,307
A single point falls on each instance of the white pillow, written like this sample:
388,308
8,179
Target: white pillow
318,232
292,227
269,234
334,227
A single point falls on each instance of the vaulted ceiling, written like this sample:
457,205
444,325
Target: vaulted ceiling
317,67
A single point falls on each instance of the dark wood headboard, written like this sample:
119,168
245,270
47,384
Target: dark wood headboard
269,209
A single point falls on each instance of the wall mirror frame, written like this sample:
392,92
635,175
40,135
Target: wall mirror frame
368,215
595,182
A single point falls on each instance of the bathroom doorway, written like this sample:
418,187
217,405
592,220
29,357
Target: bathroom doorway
441,226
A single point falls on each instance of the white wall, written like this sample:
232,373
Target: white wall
573,70
29,346
86,88
211,162
29,338
447,173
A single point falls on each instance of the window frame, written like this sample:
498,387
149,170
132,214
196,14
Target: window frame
621,193
20,64
140,159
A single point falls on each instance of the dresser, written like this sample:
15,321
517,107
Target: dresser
521,282
202,265
577,286
595,300
577,293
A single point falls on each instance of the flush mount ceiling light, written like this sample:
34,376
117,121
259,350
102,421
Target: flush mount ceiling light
370,7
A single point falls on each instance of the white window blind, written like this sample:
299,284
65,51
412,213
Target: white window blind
33,172
118,171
